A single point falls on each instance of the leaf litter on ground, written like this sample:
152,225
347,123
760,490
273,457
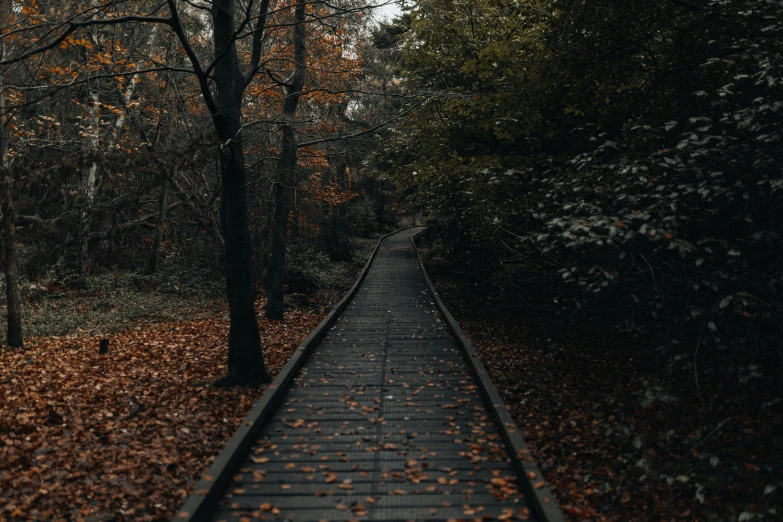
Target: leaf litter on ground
125,435
609,450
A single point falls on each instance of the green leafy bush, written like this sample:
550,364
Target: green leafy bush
619,164
361,218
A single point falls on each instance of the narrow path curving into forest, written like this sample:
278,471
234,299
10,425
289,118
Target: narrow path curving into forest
385,420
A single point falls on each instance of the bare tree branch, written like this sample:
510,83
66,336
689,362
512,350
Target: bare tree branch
369,130
258,40
203,78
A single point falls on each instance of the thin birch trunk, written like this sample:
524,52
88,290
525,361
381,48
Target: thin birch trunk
89,179
90,174
127,96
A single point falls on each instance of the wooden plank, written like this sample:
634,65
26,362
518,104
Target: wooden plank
531,480
382,399
202,502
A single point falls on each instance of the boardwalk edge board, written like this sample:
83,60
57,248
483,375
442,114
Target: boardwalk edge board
531,481
208,491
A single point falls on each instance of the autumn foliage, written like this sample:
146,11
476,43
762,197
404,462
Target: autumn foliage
90,86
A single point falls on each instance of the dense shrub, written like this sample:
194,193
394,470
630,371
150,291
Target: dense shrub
682,243
613,162
618,164
308,269
675,225
361,218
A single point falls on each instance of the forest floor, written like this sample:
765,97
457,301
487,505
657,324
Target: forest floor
125,435
619,437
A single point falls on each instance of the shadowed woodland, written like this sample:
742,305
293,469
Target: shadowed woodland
197,182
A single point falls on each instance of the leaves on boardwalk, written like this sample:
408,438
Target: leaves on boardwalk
121,436
475,484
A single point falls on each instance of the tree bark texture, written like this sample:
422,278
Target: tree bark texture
286,167
13,301
245,360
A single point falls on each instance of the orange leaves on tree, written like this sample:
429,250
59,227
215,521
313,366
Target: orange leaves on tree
71,40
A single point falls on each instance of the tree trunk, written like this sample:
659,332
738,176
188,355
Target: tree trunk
286,167
295,231
275,292
89,176
159,230
13,300
245,360
89,179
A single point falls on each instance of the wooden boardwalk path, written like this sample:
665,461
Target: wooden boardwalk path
387,415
